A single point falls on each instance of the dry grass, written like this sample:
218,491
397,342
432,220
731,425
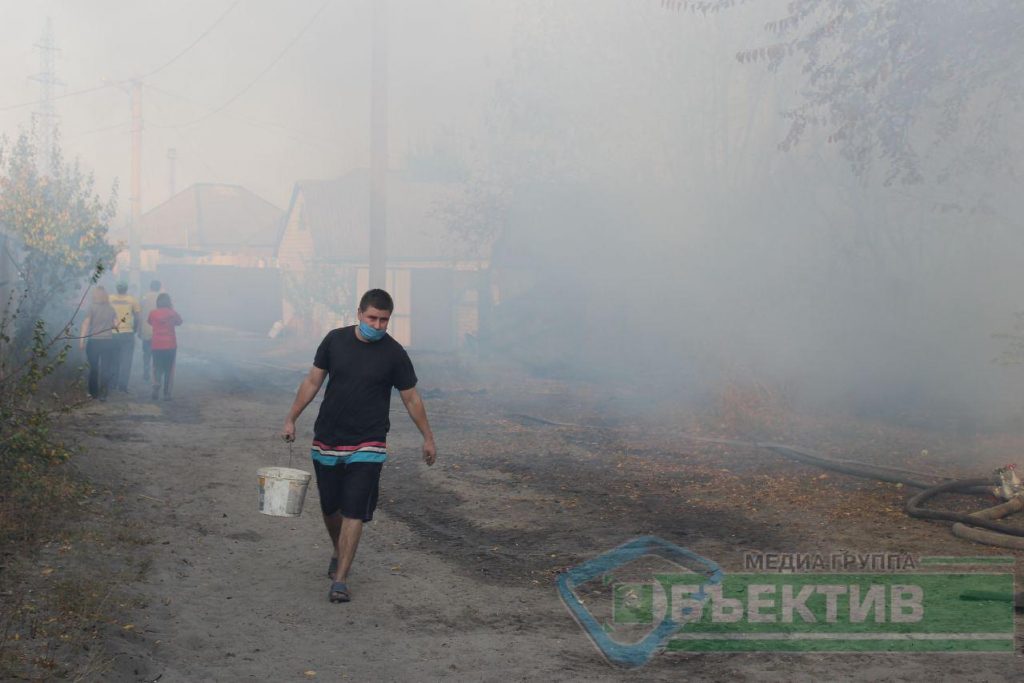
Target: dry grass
752,408
65,568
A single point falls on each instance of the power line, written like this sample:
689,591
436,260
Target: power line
83,91
123,125
298,136
33,103
262,73
195,42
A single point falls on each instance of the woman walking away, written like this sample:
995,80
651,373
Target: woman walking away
164,345
98,341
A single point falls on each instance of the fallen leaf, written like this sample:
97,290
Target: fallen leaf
47,571
309,674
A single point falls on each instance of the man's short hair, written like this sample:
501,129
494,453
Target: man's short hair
378,299
154,286
122,287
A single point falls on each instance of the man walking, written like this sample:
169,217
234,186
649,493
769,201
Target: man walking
127,309
349,441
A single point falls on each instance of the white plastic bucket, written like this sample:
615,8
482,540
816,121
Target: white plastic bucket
282,490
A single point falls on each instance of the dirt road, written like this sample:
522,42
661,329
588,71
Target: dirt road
455,576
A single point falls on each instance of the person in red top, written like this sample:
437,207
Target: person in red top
163,319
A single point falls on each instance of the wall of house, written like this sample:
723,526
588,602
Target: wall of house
467,316
436,303
293,254
397,283
296,247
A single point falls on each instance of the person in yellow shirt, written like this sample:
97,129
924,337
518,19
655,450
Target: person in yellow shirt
145,329
128,314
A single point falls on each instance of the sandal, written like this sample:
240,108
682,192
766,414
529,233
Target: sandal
339,592
332,568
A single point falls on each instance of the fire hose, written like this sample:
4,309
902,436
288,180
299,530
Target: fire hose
980,527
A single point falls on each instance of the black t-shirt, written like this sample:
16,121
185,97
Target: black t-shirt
358,395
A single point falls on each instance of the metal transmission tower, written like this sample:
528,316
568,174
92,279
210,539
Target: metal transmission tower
44,117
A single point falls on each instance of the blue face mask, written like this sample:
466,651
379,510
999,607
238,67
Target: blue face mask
370,334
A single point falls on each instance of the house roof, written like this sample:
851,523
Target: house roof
209,216
337,214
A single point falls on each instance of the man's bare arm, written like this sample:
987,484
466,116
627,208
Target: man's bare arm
418,412
307,392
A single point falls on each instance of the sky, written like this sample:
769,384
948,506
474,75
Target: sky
302,69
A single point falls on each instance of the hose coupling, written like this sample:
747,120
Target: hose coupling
1009,483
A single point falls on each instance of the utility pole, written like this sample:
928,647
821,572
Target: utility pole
379,145
45,117
136,199
172,158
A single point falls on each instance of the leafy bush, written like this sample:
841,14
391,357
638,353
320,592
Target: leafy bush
53,229
53,248
33,391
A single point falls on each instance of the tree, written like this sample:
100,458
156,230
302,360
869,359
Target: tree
931,89
56,231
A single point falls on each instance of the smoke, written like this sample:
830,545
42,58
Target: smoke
647,228
660,236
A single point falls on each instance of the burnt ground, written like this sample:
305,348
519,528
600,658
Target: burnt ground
455,577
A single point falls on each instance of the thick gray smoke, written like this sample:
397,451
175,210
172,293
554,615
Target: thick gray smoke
650,222
672,242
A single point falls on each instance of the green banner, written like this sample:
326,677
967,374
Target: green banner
827,612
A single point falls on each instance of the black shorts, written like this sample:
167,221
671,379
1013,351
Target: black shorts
350,489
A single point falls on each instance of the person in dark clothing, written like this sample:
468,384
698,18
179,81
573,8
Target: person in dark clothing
349,443
97,338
